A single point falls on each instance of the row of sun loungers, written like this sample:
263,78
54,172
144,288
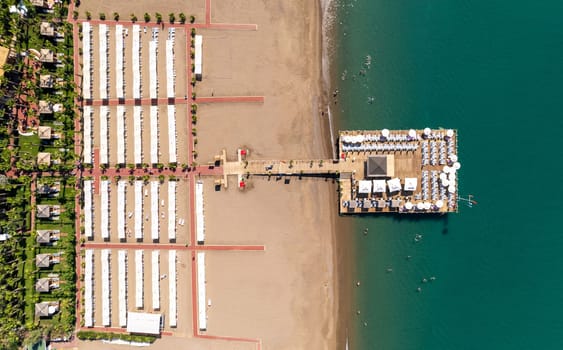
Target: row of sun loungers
153,52
88,209
88,288
87,116
119,55
104,53
139,272
155,263
172,305
122,269
106,288
104,194
136,61
200,223
201,307
87,60
104,115
106,277
154,211
121,201
121,134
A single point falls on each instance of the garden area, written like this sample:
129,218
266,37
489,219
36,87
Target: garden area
37,111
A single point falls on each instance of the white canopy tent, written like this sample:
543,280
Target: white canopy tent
394,184
411,184
379,186
144,323
198,56
364,186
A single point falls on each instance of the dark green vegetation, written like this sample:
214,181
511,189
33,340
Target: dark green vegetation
88,335
20,93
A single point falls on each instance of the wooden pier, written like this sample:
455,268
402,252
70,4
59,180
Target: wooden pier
401,171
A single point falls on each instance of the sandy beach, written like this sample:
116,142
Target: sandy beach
286,296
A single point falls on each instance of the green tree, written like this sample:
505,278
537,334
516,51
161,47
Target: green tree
102,16
182,17
158,18
171,17
88,15
116,16
147,17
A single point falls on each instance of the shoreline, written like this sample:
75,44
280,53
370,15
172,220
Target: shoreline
342,253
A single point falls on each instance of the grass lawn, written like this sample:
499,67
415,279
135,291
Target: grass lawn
29,145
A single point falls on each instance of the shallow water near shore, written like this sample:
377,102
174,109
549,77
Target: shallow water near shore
493,71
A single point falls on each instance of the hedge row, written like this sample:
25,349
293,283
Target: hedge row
90,335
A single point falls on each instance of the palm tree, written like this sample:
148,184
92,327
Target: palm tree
158,18
147,17
182,17
88,15
133,18
171,17
102,16
116,16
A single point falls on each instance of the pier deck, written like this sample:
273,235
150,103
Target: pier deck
403,171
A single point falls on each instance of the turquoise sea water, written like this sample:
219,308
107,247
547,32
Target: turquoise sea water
493,70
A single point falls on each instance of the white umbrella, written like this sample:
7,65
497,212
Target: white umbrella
443,176
451,177
408,205
427,131
439,203
446,169
427,205
457,165
445,183
385,132
412,133
419,206
451,189
449,133
453,158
